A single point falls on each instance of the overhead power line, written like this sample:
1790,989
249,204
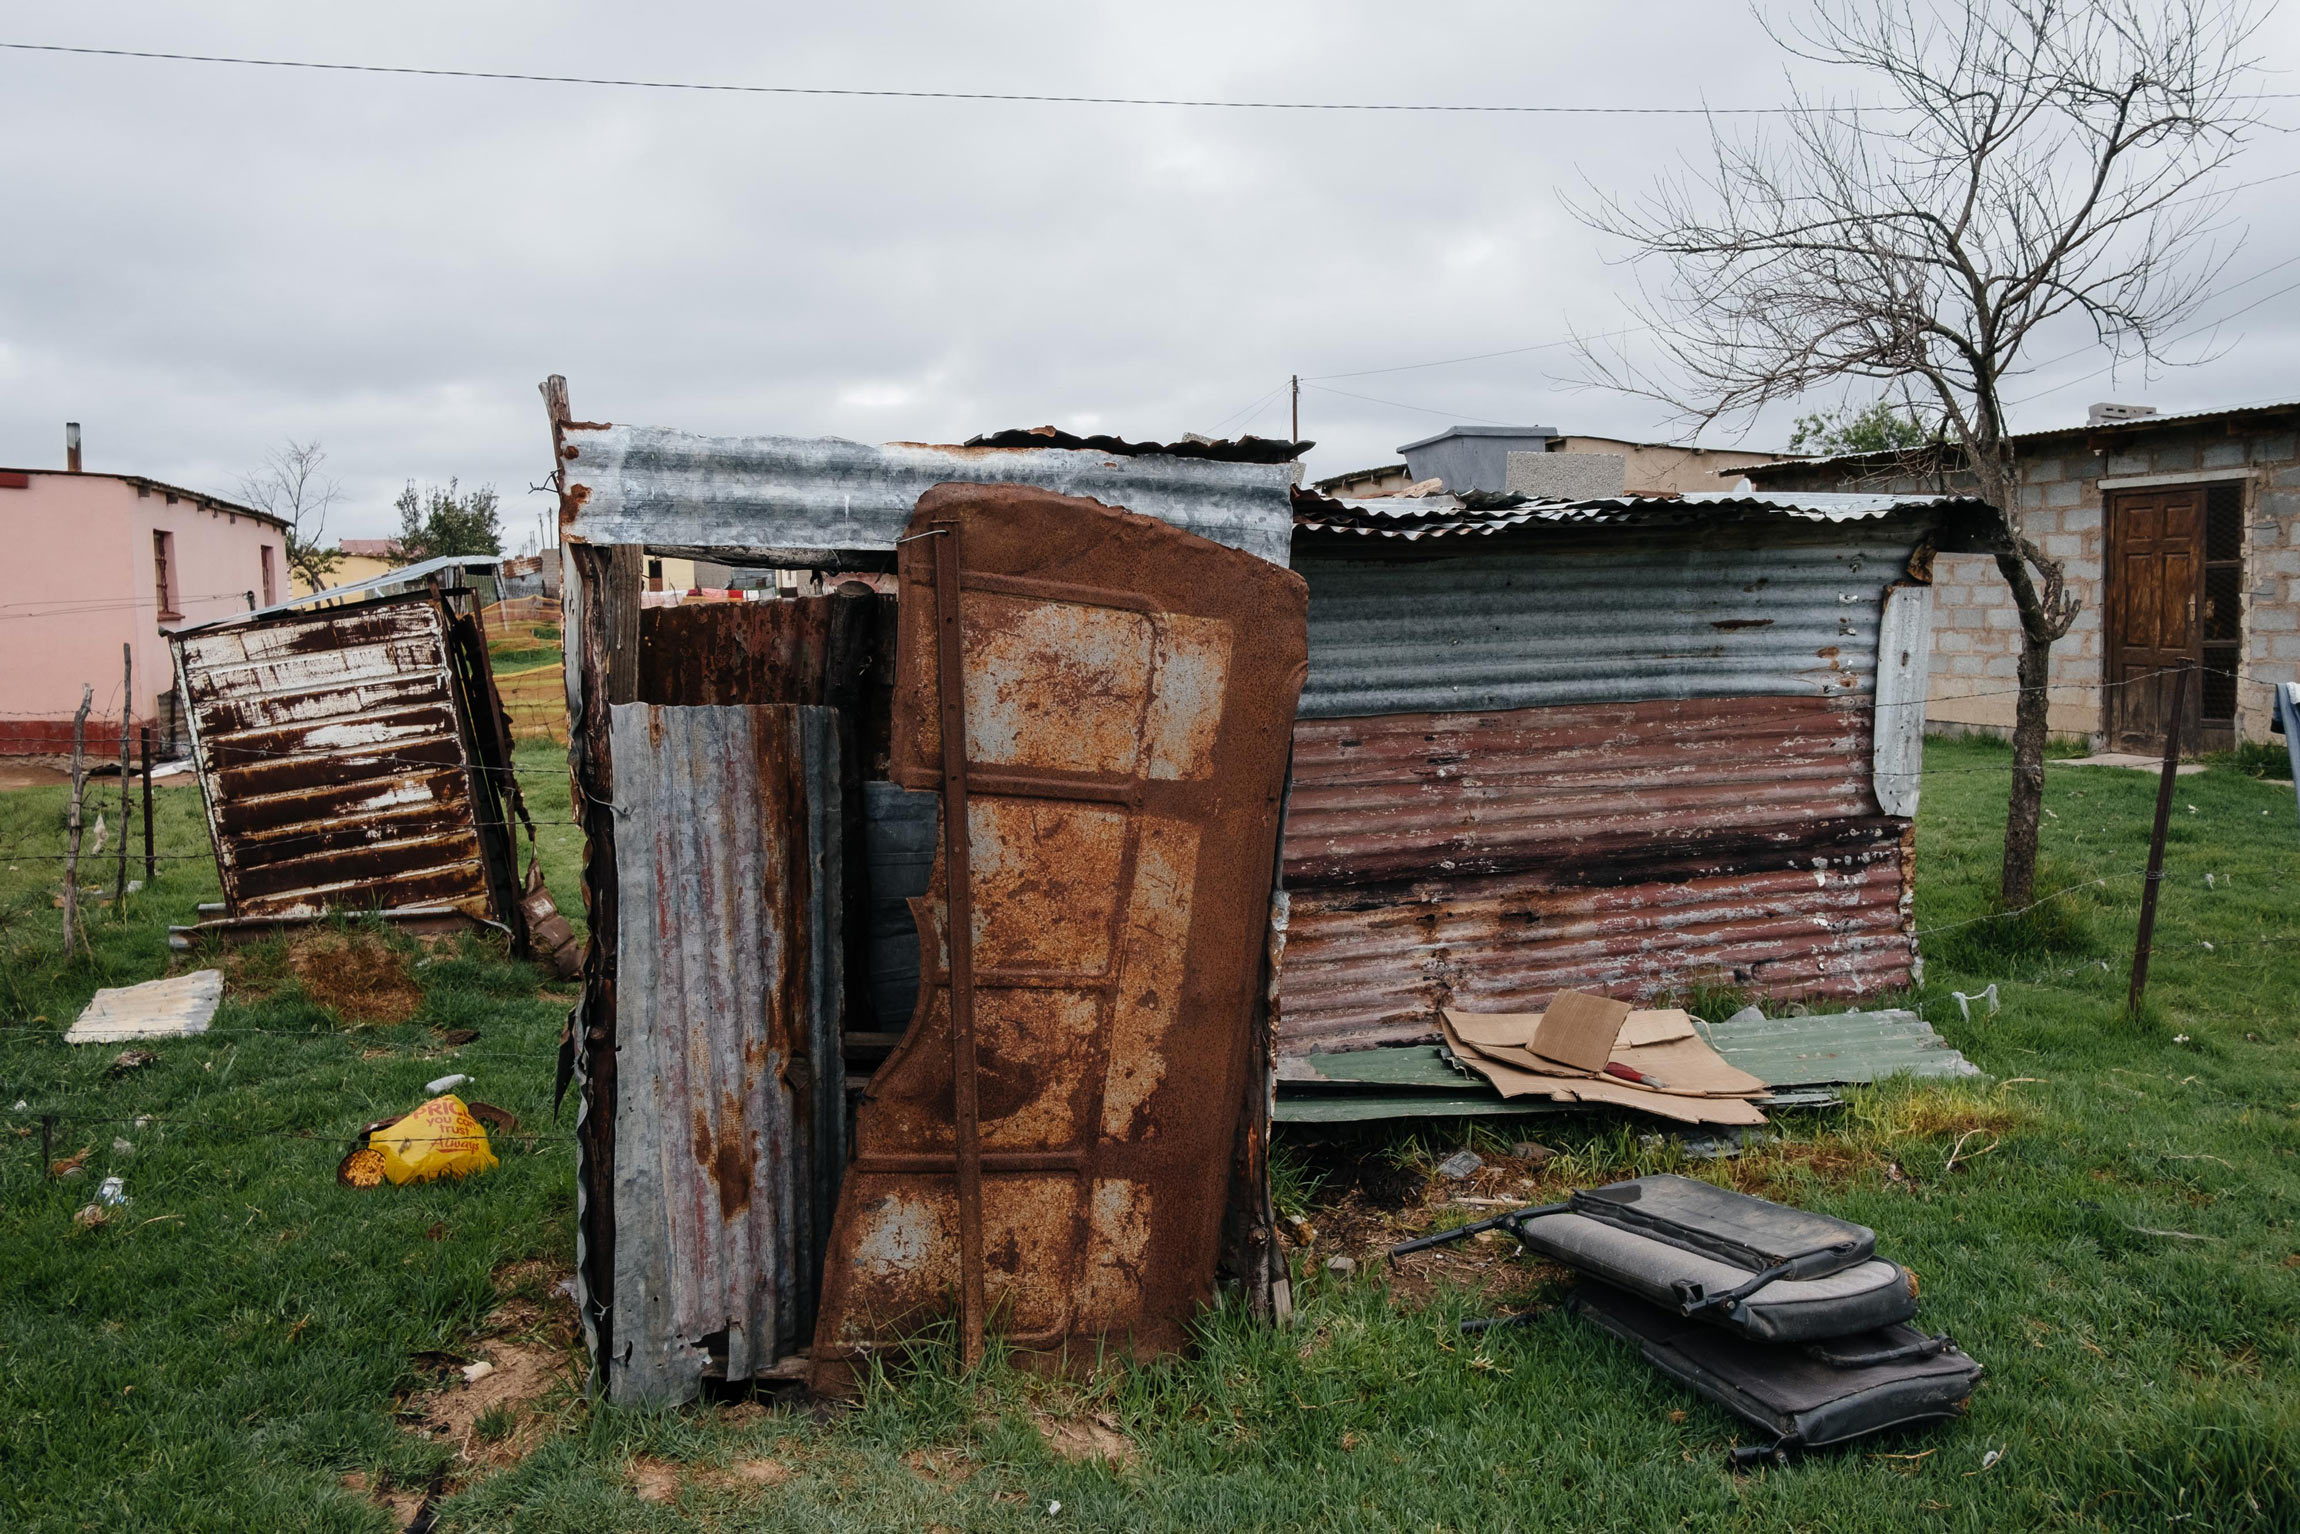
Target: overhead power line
917,95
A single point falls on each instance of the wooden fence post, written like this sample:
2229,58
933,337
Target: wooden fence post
72,932
2171,771
127,708
151,862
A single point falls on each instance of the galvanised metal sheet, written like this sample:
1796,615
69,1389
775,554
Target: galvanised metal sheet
1574,615
1458,518
335,761
824,501
1128,696
1490,860
728,1116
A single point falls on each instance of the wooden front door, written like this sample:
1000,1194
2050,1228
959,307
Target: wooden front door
2155,578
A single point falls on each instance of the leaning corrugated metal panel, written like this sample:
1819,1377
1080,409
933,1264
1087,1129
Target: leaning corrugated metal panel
823,500
334,760
729,1083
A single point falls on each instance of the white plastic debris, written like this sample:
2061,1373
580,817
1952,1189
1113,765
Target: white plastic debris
1964,1002
1461,1164
112,1190
174,1008
474,1373
123,1148
445,1084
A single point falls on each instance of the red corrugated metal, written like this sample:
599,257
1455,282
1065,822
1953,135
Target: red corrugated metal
1490,860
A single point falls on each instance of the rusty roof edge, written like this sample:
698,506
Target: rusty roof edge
656,486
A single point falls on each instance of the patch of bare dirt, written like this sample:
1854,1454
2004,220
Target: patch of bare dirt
355,975
742,1475
402,1502
947,1468
534,1304
655,1480
1086,1438
498,1418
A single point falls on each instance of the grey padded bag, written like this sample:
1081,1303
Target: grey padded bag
1807,1396
1851,1299
1736,1229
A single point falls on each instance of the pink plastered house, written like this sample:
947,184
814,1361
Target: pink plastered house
91,562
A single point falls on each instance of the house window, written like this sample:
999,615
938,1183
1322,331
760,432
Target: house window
654,575
269,595
164,573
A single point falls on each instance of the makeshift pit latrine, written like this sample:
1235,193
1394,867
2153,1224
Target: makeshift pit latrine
1066,1129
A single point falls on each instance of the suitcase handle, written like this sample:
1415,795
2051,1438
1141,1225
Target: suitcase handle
1693,1298
1850,1358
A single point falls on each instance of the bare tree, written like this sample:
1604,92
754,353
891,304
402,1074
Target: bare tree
291,487
2015,171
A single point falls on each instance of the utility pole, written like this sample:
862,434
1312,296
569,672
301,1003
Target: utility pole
1296,381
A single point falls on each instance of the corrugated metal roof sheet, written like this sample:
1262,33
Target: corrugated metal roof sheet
2233,415
823,500
1733,610
1483,516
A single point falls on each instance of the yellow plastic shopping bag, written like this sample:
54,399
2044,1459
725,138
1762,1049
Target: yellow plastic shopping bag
439,1139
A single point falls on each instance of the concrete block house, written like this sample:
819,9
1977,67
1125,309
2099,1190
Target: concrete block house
2179,535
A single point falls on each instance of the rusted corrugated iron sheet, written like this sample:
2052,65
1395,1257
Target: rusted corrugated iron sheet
1127,697
729,1113
337,763
1489,860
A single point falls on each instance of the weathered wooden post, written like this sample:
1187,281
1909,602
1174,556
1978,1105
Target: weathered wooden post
127,710
72,931
2171,770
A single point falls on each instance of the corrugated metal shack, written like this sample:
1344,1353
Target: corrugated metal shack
354,758
760,853
1633,746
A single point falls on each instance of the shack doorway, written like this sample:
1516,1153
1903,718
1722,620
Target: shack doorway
2175,598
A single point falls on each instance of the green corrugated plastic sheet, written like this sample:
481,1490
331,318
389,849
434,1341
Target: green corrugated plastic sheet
1800,1057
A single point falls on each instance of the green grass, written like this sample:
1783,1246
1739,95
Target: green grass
2137,1379
524,658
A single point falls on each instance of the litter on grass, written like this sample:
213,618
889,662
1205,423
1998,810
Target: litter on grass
443,1138
174,1008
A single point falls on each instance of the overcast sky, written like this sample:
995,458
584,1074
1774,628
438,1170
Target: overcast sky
201,261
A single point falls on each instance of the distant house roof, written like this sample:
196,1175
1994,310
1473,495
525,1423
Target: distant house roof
1480,431
145,486
1378,472
2243,415
369,548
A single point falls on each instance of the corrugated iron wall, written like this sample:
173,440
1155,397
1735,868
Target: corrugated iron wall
335,761
1629,761
1770,607
730,1108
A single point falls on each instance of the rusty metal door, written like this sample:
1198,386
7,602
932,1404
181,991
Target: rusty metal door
1049,1146
2156,564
